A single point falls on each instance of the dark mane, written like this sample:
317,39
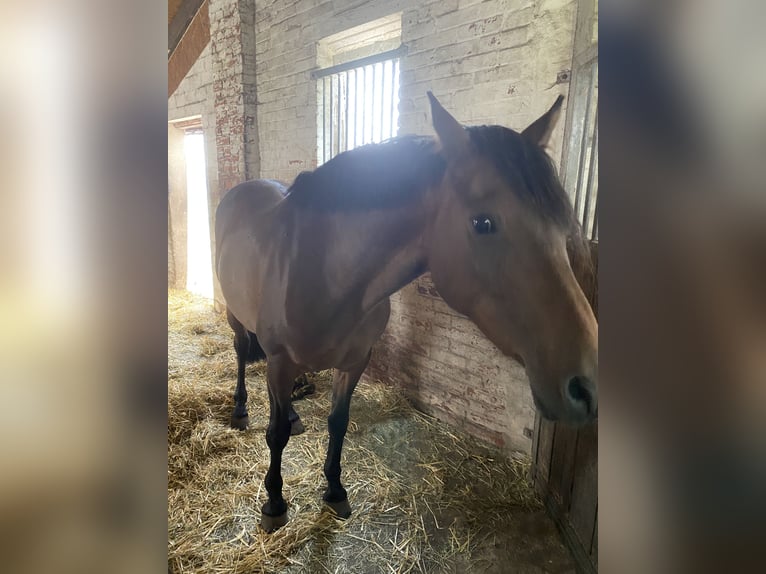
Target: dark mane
387,174
398,171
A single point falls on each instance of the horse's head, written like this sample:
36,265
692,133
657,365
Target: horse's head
498,253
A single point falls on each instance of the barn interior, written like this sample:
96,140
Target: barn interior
448,465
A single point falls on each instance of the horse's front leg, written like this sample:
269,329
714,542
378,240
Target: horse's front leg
343,385
280,374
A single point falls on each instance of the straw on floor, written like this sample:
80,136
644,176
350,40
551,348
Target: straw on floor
425,498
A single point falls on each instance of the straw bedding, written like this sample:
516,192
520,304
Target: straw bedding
425,498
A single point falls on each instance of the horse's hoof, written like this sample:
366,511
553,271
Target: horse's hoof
240,423
303,389
341,509
296,427
272,523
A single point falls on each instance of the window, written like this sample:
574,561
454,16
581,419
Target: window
358,87
359,103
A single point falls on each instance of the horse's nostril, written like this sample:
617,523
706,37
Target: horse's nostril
581,393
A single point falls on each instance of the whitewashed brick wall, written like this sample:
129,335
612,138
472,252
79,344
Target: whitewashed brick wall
494,61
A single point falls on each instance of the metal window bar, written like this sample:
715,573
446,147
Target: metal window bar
324,119
581,170
332,98
591,189
360,103
372,104
364,104
345,106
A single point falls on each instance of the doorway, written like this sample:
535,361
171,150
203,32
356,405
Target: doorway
199,276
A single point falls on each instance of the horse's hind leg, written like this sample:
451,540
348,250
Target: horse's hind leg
247,351
280,374
343,385
302,388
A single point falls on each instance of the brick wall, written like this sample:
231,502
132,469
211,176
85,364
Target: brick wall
232,41
488,62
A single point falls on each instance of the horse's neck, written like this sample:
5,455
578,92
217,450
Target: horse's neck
368,255
397,268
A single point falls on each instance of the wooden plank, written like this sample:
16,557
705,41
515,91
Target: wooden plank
562,465
535,446
177,205
173,6
582,558
544,451
594,546
593,294
584,504
189,123
189,48
182,19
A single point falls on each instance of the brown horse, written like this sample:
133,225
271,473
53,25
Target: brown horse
310,269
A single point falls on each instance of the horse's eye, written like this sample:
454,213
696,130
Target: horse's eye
483,224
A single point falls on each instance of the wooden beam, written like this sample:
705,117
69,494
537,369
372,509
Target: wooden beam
181,21
173,7
190,123
189,48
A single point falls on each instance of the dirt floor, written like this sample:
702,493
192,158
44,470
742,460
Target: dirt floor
425,497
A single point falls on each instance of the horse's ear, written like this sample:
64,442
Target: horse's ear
540,130
453,137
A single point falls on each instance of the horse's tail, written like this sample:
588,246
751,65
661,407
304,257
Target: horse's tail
255,352
245,342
